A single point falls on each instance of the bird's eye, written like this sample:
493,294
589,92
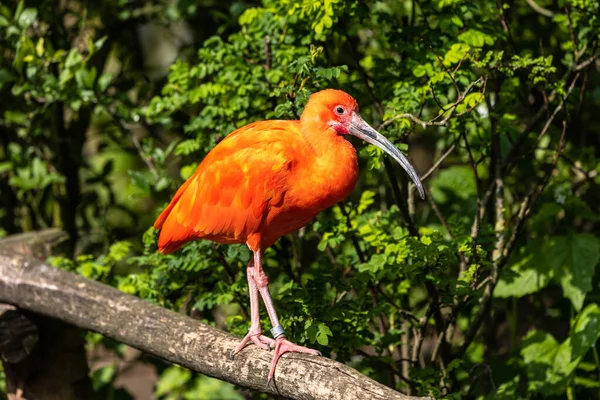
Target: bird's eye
339,110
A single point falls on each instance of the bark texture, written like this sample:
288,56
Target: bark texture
43,358
36,287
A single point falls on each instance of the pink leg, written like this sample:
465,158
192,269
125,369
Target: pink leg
255,332
282,345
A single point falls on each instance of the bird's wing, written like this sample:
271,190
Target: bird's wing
227,197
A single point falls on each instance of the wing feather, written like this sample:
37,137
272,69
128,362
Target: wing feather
227,198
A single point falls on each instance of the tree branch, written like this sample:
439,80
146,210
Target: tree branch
43,358
449,113
438,163
37,287
504,253
539,9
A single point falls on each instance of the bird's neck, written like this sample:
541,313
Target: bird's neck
335,163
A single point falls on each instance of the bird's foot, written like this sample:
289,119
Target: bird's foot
257,338
282,345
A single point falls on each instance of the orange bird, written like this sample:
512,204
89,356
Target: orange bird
268,179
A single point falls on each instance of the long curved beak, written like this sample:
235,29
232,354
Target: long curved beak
361,129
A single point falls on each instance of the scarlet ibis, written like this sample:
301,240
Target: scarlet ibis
268,179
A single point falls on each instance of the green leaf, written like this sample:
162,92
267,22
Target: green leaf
574,258
119,250
457,180
419,71
103,81
140,180
528,275
549,364
538,347
27,17
457,21
476,38
539,350
103,376
585,331
39,47
376,263
25,50
187,170
323,334
74,58
5,166
172,379
161,184
569,260
508,390
85,78
5,76
587,383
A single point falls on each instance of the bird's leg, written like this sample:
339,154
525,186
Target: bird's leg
255,332
282,345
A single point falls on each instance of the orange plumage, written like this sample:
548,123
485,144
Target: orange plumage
268,179
261,182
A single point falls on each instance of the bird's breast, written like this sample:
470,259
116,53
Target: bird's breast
311,188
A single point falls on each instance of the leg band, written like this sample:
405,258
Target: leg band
277,331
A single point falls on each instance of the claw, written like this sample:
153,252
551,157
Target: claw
282,346
257,338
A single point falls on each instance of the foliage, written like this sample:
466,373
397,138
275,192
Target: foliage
485,289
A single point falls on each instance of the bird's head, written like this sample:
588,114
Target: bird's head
338,111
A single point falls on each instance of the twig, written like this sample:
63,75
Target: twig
500,222
438,343
524,211
451,75
388,166
421,336
576,54
560,106
136,143
444,222
359,252
459,64
437,211
468,110
399,309
482,212
585,63
144,156
397,194
539,9
433,121
540,112
405,349
232,279
438,163
477,222
530,200
267,52
435,98
362,71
